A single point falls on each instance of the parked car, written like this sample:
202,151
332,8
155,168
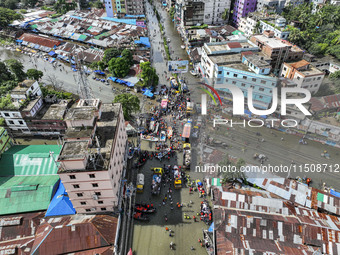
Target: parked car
192,72
168,40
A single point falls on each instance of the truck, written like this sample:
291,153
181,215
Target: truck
186,155
164,103
186,131
190,107
140,183
177,177
156,180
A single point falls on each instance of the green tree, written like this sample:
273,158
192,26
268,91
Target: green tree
149,74
318,49
127,54
16,68
231,176
110,54
130,103
98,5
119,67
225,14
7,16
30,3
34,74
335,76
10,4
5,74
172,12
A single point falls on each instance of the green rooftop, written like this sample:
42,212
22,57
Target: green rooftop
20,194
29,160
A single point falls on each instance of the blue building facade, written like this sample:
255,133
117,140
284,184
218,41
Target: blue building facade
262,85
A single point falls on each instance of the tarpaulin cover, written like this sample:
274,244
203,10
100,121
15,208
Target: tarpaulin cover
211,228
60,204
148,93
334,193
98,72
51,53
144,40
18,40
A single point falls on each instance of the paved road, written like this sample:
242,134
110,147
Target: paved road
66,79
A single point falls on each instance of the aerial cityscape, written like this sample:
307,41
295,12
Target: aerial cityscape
151,127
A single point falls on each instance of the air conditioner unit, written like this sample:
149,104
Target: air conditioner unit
93,209
95,197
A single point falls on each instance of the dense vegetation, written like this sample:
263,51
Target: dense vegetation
319,32
118,61
130,103
7,16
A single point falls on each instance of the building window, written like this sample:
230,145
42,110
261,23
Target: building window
219,79
244,77
98,193
319,78
95,185
92,175
260,96
261,89
227,73
235,75
76,186
88,210
83,203
298,77
100,202
243,84
219,72
21,122
234,82
6,114
79,194
72,177
103,208
263,82
11,122
253,79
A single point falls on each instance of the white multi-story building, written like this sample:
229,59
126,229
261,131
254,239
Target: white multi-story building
271,5
93,156
257,23
303,74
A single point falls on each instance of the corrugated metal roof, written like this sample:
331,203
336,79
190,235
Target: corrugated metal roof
75,234
24,199
29,160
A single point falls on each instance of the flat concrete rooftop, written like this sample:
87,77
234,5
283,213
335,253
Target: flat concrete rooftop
72,150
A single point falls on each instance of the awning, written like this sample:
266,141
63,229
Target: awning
148,93
51,53
36,46
211,228
19,41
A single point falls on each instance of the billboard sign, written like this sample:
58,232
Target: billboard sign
178,66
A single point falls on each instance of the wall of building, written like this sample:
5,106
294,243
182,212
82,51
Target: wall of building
110,7
80,123
213,11
276,5
277,32
14,120
89,191
262,85
74,164
242,8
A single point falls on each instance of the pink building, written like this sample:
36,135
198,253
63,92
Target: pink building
93,156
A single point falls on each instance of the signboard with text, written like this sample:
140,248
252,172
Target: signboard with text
178,66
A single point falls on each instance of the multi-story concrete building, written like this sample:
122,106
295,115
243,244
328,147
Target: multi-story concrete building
270,5
258,22
121,7
92,158
193,13
277,49
239,64
294,3
241,9
278,27
303,74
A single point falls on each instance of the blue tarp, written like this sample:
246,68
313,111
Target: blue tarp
20,41
36,46
114,79
148,93
125,21
144,40
98,72
135,16
334,193
211,228
51,53
76,17
60,204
